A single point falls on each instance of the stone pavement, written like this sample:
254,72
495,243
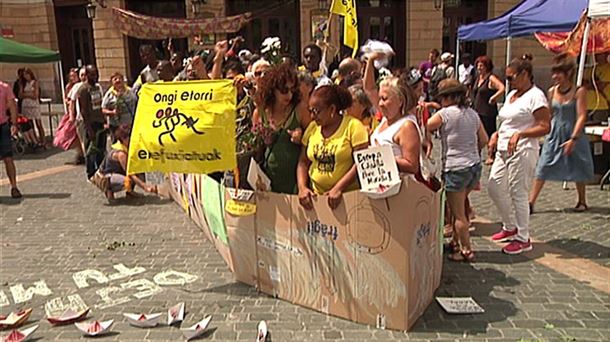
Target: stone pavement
65,238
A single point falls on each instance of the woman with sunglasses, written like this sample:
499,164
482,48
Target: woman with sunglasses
277,96
525,117
565,154
326,165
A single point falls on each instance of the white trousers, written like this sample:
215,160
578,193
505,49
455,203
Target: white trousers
509,185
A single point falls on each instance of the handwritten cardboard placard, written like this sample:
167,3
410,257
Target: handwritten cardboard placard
459,305
377,171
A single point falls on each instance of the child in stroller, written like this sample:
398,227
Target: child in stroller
26,137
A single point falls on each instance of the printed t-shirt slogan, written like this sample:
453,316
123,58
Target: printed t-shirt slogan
185,127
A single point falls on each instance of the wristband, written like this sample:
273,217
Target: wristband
574,137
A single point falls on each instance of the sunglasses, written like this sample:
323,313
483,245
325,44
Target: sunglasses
315,111
510,78
285,90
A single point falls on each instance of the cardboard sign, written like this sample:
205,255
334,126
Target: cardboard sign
459,305
368,261
184,127
377,171
257,179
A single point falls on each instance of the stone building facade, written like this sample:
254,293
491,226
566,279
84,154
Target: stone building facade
413,26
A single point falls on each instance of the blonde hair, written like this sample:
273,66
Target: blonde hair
402,90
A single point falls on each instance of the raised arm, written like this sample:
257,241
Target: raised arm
368,82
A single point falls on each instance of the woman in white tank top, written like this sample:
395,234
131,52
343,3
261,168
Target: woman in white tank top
398,127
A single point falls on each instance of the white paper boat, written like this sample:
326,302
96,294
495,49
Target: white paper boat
261,334
175,314
197,329
69,316
94,328
143,320
19,335
15,319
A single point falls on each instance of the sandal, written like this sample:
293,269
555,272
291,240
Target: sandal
462,256
15,193
581,207
453,246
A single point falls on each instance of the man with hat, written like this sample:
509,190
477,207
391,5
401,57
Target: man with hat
440,72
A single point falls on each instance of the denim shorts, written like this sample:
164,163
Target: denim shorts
462,179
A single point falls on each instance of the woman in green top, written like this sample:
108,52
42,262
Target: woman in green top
277,97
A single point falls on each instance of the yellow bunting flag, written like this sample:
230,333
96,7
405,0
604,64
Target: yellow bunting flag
184,127
347,9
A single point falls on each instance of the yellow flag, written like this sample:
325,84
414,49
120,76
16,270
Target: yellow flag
347,8
184,127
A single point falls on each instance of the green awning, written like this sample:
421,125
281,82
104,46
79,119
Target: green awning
15,52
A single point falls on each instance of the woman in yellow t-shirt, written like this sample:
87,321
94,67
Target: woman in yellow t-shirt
326,165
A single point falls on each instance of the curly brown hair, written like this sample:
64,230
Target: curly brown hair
277,78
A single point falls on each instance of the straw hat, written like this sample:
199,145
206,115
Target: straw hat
450,86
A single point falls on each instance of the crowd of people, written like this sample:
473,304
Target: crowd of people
319,113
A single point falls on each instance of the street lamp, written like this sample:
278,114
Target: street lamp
438,4
91,10
91,7
196,6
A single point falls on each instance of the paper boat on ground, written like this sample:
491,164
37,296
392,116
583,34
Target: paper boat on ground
175,314
19,335
68,317
15,319
261,334
197,329
143,320
94,328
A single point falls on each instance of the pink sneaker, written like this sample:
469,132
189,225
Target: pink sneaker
503,235
517,247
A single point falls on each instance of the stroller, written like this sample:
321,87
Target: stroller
25,140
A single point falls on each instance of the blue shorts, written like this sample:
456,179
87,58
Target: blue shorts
460,180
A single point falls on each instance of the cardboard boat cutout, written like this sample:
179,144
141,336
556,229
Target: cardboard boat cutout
15,319
143,320
68,317
95,328
175,314
375,261
19,335
196,329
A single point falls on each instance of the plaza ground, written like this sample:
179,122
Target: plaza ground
63,226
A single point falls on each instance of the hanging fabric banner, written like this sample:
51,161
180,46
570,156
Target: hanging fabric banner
146,27
570,42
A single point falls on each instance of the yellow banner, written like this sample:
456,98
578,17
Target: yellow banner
347,9
184,127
